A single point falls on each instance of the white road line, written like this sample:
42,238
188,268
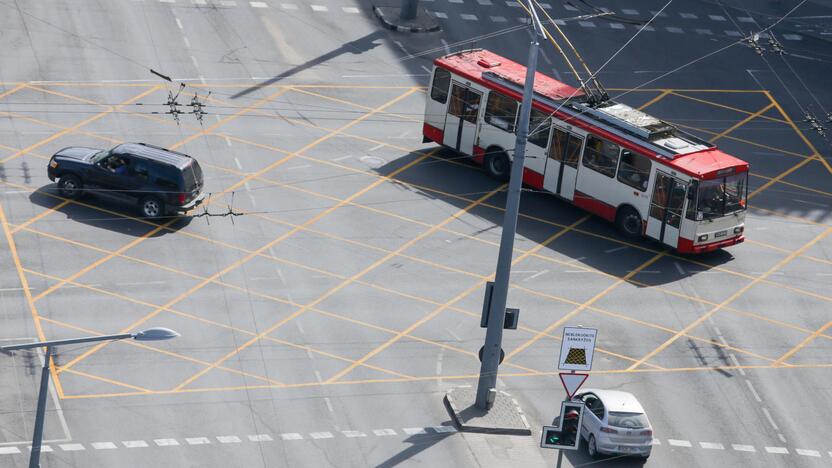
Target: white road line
743,448
717,17
469,17
71,447
706,32
439,14
342,158
401,47
445,44
680,268
737,364
569,7
352,10
428,70
615,249
321,435
329,404
781,450
439,362
679,443
302,166
674,29
103,445
228,141
753,391
782,438
587,24
229,439
195,62
384,432
655,442
258,4
197,440
291,436
319,8
770,419
808,453
443,429
199,2
134,443
745,19
484,2
178,23
353,434
377,147
288,6
628,11
317,374
513,4
616,26
498,19
539,273
260,438
237,163
577,271
9,450
414,430
228,3
712,445
792,37
166,442
688,16
43,448
732,33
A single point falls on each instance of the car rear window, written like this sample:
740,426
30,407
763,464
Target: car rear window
628,420
193,176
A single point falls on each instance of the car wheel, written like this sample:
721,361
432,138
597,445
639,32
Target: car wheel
629,222
591,448
151,207
70,186
498,166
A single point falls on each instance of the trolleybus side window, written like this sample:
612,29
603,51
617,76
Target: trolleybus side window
634,170
539,124
441,81
464,103
501,111
601,155
565,147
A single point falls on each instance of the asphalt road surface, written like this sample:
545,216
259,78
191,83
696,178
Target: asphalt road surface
322,322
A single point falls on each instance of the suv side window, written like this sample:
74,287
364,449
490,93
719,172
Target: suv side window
140,170
165,177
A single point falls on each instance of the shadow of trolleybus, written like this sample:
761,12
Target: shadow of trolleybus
645,175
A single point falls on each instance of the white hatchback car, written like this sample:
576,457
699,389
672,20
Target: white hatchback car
614,422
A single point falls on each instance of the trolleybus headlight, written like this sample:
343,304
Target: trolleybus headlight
739,229
702,238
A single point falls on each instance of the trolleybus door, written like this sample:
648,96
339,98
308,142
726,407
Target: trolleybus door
562,162
461,119
665,215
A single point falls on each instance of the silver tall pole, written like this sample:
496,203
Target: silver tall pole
37,437
496,316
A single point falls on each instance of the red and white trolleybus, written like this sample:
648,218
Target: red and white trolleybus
639,172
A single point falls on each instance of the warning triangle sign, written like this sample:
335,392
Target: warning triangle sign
572,382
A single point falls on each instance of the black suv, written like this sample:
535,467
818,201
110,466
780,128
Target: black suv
161,181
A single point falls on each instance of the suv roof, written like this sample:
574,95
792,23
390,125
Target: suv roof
162,155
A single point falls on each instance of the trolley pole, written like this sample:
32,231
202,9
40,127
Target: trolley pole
496,317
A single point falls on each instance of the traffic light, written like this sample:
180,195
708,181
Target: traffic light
566,434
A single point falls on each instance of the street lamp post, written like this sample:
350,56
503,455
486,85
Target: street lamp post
151,334
496,316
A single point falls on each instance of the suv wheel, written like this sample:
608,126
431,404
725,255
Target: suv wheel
151,207
70,186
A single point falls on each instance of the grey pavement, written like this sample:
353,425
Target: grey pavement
324,327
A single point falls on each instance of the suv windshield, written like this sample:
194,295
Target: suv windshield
99,156
628,420
719,197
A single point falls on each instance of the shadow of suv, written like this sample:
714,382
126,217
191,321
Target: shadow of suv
161,182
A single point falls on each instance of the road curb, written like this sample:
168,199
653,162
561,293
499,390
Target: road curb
506,417
421,24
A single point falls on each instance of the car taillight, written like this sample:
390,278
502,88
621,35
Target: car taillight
182,198
646,433
609,430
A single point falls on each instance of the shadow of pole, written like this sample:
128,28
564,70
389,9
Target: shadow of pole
356,47
419,443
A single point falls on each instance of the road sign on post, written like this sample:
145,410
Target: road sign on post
572,382
566,433
577,348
